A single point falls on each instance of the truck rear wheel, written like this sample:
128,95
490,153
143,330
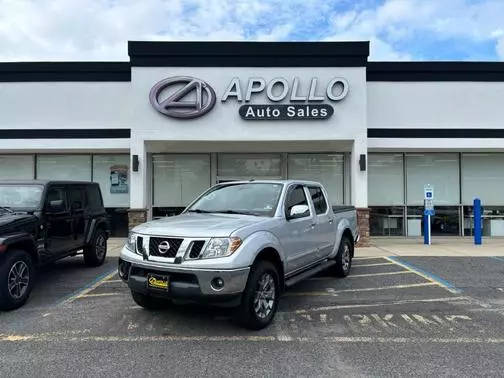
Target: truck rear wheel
260,298
344,257
96,251
17,274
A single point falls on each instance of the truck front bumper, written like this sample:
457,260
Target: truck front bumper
184,283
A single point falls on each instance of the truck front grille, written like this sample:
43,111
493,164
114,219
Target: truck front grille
164,247
196,248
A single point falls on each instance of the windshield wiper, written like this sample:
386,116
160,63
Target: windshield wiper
6,209
199,211
239,212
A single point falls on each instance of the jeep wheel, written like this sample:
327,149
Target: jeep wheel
344,257
148,302
260,298
16,279
96,251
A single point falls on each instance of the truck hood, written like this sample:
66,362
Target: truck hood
198,225
15,222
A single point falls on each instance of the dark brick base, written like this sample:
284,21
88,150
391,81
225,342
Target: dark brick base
363,224
136,217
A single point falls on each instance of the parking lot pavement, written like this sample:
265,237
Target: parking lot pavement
392,316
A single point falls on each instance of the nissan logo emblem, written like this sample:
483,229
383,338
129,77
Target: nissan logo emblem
164,247
200,97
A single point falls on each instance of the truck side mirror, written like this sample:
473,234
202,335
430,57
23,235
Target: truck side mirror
299,211
56,206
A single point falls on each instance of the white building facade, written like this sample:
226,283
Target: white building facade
181,116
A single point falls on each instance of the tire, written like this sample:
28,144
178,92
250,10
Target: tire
344,258
148,302
256,312
96,251
17,268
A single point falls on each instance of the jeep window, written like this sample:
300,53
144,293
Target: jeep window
21,196
76,198
55,194
94,197
241,198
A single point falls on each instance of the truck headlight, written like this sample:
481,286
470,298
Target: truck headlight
221,247
131,241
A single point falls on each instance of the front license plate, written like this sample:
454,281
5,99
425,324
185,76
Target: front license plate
157,281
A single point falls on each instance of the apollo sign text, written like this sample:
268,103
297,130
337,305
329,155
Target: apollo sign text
188,97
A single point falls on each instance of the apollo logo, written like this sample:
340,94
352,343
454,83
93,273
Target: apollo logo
182,97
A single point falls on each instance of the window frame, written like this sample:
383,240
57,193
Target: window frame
291,189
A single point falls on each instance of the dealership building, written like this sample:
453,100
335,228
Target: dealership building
180,117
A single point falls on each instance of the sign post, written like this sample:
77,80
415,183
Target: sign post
477,221
428,212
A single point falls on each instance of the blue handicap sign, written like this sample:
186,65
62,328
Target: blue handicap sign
430,212
428,195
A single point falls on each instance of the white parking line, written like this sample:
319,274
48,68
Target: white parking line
381,304
280,339
333,293
366,265
363,275
99,295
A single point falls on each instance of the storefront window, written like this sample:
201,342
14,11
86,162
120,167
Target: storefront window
178,179
386,221
324,168
446,222
483,177
247,166
385,179
440,170
112,173
16,167
64,167
492,223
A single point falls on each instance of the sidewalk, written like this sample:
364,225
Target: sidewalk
400,246
441,246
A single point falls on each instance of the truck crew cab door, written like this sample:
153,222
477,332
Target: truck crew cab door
325,228
298,234
58,223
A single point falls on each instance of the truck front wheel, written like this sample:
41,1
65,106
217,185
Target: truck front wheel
260,298
96,251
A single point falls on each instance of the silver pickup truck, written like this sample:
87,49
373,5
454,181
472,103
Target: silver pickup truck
240,244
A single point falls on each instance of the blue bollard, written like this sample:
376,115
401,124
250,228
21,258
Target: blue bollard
426,228
477,221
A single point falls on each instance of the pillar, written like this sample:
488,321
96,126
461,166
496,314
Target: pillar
359,189
138,212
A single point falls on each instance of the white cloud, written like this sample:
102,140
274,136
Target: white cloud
99,29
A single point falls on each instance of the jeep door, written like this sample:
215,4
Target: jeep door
297,236
58,223
77,200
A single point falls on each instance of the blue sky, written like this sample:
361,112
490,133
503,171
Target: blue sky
397,29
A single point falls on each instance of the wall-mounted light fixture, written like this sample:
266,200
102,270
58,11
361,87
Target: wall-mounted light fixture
135,163
362,162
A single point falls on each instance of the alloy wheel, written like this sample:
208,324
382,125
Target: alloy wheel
345,257
100,246
18,279
265,295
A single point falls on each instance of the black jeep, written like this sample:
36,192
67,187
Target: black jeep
43,221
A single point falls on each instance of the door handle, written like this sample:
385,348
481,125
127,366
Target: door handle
331,221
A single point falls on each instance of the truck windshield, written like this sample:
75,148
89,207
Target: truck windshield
20,196
244,198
